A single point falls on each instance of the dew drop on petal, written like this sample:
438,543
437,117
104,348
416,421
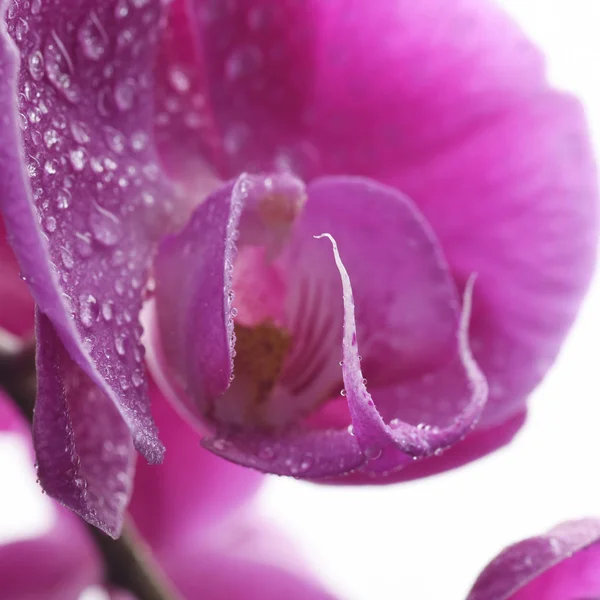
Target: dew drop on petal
105,226
36,65
88,309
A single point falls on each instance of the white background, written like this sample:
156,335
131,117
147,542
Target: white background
427,540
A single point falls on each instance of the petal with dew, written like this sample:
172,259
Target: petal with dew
381,442
80,185
201,371
450,103
83,447
563,563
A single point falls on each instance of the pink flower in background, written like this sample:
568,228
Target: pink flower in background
423,137
563,563
191,513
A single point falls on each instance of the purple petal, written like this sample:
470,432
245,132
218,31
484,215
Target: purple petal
375,438
56,566
286,78
240,557
84,452
64,559
81,192
194,277
448,102
225,576
563,563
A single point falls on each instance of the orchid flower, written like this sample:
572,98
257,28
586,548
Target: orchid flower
191,151
561,564
203,530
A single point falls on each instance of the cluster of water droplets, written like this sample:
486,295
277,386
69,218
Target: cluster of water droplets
85,113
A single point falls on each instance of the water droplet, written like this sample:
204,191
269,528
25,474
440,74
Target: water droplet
121,9
50,166
34,115
120,345
305,465
124,94
137,378
351,429
343,392
36,65
114,139
119,287
50,224
266,453
50,137
372,453
105,226
21,29
59,68
179,80
83,244
88,309
124,382
93,38
78,158
139,141
107,310
220,444
80,132
67,258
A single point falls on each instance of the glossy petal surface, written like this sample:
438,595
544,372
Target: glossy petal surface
80,182
405,292
564,563
449,103
83,448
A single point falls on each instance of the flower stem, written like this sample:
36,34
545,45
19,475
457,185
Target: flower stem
128,561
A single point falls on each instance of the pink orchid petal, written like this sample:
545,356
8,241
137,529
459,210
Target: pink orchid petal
80,186
239,557
56,566
191,489
384,445
448,102
563,563
527,225
194,277
406,301
193,271
286,78
84,450
223,576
